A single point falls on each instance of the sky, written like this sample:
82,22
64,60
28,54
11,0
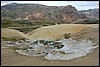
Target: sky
79,5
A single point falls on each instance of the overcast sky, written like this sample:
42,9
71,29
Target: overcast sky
80,5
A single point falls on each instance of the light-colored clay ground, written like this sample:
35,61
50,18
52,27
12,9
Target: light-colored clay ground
10,58
6,32
55,32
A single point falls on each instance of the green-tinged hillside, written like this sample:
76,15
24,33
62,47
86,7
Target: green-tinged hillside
31,12
8,23
25,25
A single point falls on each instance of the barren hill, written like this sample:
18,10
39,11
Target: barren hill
56,32
5,32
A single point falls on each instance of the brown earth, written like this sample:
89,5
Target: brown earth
10,58
6,32
56,32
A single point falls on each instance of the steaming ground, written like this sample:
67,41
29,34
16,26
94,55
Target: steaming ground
10,58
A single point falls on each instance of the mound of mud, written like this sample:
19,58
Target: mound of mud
11,33
56,31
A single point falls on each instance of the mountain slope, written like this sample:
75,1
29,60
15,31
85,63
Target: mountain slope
91,13
40,12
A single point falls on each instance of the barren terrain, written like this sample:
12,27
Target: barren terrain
10,58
